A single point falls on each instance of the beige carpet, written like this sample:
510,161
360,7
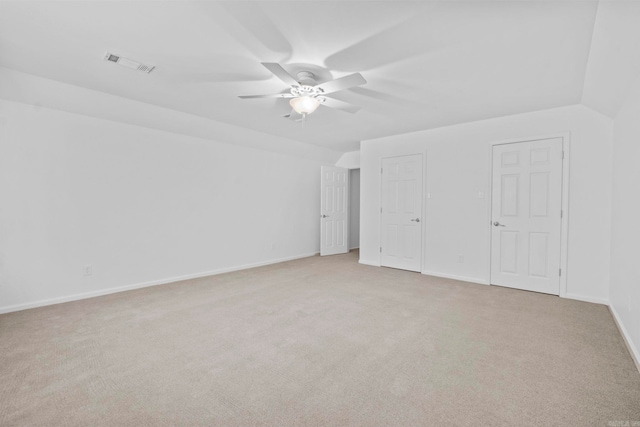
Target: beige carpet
317,342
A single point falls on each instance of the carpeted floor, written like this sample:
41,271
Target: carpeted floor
317,342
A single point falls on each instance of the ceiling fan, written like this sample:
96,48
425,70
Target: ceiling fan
306,95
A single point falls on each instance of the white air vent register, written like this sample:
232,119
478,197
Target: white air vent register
129,63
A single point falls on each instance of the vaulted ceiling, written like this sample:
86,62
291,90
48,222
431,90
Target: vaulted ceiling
427,64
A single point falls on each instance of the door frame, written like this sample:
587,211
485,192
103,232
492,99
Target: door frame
564,222
423,211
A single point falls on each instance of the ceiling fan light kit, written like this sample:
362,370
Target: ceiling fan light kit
306,95
304,104
307,98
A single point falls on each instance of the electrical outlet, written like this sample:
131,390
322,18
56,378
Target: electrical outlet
88,270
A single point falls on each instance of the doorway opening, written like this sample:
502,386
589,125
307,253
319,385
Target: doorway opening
339,210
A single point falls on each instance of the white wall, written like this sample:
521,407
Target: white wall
458,167
139,205
354,208
625,211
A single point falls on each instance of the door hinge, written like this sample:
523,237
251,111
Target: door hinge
381,170
561,213
559,272
380,249
380,210
563,154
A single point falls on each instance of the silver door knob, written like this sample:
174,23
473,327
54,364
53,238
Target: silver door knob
416,220
497,224
324,216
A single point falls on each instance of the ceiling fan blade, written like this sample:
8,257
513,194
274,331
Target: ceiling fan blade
256,22
281,73
400,41
386,98
340,105
275,95
345,82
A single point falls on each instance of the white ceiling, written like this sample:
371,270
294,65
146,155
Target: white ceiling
428,64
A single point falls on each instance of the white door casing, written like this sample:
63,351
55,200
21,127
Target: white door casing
401,212
526,211
334,207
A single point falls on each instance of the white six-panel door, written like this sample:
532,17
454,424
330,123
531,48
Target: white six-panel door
401,212
526,215
334,215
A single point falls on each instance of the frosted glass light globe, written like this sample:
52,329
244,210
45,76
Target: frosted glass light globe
304,104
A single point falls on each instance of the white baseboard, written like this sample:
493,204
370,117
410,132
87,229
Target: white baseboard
635,354
365,262
586,299
455,277
85,295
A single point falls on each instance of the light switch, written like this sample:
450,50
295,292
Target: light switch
480,194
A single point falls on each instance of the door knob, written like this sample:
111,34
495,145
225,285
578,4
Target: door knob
324,216
416,220
497,224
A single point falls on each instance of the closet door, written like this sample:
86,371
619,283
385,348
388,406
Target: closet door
526,215
400,213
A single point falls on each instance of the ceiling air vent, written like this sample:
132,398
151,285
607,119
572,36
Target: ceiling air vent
129,63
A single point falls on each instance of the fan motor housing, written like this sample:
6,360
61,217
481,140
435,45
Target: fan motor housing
307,78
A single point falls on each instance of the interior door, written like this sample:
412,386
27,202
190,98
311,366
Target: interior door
334,215
526,215
401,212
